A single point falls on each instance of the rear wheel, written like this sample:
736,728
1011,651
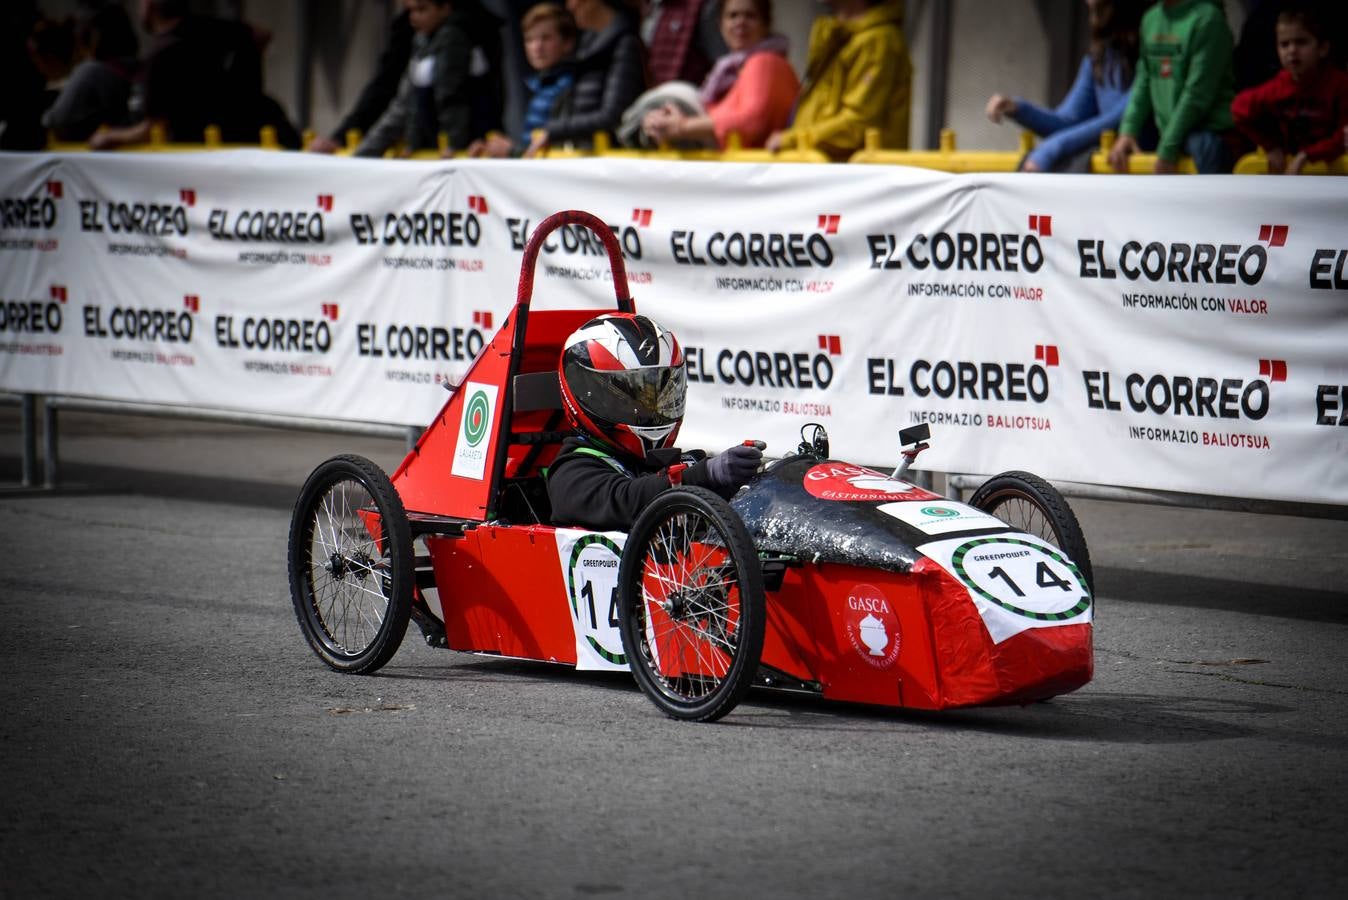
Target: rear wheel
351,565
691,605
1031,504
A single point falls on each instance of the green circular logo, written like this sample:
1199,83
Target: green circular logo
939,512
475,416
1069,607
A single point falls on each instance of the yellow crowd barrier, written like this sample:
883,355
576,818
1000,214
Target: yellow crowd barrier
1138,163
1256,163
946,158
159,143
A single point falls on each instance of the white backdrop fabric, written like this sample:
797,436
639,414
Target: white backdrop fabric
1183,334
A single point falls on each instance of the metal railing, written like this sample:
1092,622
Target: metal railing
51,406
957,484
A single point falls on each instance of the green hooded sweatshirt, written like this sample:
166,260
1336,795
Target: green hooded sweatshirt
1184,75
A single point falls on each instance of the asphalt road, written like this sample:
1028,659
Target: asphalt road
165,731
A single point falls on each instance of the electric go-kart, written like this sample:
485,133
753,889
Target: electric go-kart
819,576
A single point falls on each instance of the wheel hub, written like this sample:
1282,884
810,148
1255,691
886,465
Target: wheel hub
340,565
676,607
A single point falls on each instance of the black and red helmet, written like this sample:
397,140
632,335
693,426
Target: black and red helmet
623,383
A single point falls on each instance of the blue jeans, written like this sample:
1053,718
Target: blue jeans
1209,152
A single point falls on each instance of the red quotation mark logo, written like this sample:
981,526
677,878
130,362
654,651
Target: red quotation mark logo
478,204
642,218
1046,354
831,343
58,293
325,202
330,311
828,223
1273,369
192,303
1042,225
187,197
1273,235
55,189
482,318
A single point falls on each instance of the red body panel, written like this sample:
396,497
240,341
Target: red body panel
821,607
501,592
973,670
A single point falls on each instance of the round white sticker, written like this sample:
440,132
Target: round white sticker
592,587
1022,577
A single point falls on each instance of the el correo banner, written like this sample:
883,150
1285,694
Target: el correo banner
1181,334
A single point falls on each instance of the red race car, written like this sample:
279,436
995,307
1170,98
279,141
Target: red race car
819,576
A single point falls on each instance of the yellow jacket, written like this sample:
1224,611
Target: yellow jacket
857,76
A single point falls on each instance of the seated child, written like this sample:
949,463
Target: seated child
1300,114
623,384
549,47
433,94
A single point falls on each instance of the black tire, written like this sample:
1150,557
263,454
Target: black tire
708,617
352,590
1031,504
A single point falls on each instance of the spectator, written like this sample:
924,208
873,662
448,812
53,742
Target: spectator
1257,49
1096,101
857,76
550,35
432,96
98,91
610,74
750,90
379,91
51,45
485,85
200,71
1302,112
684,38
21,100
1185,84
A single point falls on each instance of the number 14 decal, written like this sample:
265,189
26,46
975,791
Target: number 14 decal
587,593
1044,576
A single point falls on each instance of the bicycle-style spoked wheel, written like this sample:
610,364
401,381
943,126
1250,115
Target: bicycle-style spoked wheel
691,605
1034,506
351,565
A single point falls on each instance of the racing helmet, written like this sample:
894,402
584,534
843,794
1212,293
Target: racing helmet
623,383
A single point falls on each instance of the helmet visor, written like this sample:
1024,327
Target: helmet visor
649,397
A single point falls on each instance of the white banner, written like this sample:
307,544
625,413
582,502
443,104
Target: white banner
1185,334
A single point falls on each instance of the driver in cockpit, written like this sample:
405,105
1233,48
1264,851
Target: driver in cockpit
623,384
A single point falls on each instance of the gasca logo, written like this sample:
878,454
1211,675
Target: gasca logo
470,454
476,414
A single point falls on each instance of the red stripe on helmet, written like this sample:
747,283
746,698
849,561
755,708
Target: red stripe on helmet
601,358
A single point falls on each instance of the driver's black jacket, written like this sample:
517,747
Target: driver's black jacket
592,487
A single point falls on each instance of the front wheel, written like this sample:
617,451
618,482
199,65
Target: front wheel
351,565
1036,507
691,608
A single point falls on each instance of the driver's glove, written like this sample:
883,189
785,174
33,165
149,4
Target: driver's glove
734,466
